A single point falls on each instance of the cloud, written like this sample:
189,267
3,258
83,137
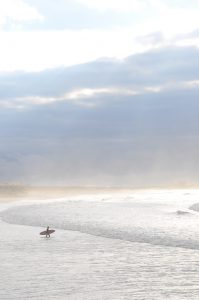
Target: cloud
36,51
129,5
125,141
153,38
70,14
47,35
115,5
147,137
126,110
16,11
164,69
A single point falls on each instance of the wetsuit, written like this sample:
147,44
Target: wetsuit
47,232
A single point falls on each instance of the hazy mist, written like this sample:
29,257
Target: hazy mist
120,123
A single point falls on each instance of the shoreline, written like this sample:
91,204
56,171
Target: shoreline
17,193
50,193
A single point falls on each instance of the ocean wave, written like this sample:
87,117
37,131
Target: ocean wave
135,222
194,207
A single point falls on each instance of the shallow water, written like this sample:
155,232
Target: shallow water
76,265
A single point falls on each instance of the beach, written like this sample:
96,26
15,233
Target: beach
108,245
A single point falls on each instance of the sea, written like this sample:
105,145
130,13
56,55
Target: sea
141,244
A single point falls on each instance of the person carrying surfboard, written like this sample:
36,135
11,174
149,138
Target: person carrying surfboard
47,232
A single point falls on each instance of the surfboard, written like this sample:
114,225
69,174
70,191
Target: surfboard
45,232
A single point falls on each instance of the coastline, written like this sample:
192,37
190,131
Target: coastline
50,193
21,193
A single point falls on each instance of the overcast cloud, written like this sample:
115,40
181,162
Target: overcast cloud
92,93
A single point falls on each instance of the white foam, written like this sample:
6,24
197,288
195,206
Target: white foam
79,266
145,217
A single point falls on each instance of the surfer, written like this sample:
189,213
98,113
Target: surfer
47,232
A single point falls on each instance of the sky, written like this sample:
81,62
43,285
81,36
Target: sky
99,92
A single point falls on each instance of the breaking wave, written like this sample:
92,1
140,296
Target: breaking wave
150,222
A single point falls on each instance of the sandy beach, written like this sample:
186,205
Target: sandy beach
18,193
23,193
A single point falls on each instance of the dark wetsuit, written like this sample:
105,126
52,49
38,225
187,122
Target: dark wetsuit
47,232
